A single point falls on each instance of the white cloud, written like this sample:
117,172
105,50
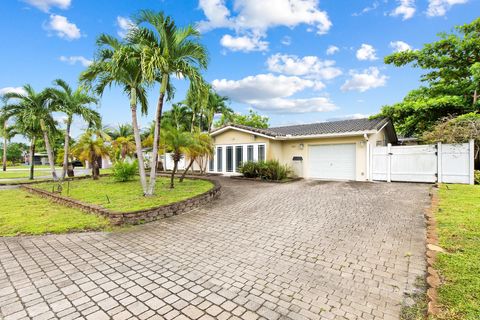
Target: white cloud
45,5
286,41
366,52
365,80
273,93
331,50
124,24
400,46
350,117
18,90
243,43
76,59
374,6
62,27
254,18
437,8
310,66
405,8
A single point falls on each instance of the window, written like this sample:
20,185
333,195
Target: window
219,159
261,152
211,164
238,157
250,153
229,159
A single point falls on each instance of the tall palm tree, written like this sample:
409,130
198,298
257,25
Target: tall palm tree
6,132
122,130
91,147
35,106
166,51
72,103
119,63
177,143
216,105
201,146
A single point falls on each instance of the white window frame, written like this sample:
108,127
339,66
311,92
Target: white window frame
234,145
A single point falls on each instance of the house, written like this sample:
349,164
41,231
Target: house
327,150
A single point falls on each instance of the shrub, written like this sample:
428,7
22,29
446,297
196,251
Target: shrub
477,176
269,170
124,171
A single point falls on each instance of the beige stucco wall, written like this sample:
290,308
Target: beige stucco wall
285,150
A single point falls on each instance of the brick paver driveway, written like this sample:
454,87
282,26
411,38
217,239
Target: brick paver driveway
305,250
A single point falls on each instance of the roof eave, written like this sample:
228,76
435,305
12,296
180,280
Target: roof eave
216,132
327,135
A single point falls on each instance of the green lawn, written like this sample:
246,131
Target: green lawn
25,173
24,213
458,221
127,196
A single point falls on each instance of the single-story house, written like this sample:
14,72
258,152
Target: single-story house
326,150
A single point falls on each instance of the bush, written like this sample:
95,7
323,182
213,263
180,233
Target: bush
124,171
477,176
269,170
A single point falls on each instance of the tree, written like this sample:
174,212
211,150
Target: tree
252,119
35,106
91,147
201,146
177,143
216,105
166,51
72,103
119,63
6,132
123,141
451,80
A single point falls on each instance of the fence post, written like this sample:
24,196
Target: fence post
389,162
439,163
471,167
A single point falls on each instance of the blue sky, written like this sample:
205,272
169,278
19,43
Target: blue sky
297,61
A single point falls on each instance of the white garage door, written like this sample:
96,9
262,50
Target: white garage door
332,161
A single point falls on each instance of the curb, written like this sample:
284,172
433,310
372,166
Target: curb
433,279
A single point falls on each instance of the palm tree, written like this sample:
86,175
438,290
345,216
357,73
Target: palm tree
166,51
7,132
216,105
122,130
177,143
91,147
123,147
72,103
119,63
35,106
201,146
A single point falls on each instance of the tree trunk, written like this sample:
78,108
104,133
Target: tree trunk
4,159
186,170
138,143
51,160
95,168
475,97
66,147
32,155
172,177
156,136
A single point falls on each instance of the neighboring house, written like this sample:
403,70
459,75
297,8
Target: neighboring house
38,159
328,150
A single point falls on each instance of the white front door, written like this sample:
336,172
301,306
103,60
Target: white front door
332,161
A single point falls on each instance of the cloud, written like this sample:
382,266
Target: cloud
124,24
362,81
72,60
18,90
437,8
253,18
243,43
309,66
45,5
331,50
273,93
405,8
400,46
350,117
374,6
286,41
62,27
366,52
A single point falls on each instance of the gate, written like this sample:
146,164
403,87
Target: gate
448,163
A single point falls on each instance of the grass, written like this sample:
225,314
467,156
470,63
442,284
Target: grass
24,214
416,308
127,196
458,220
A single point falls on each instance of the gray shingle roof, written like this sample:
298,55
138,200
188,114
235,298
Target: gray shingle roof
330,127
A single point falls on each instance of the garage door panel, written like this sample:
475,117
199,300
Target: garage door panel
332,161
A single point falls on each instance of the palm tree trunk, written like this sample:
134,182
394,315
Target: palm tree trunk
66,147
172,176
48,146
4,158
95,168
156,135
475,97
138,142
32,155
186,170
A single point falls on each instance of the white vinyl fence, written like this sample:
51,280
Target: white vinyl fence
447,163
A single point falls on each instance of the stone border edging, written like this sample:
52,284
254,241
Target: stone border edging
433,279
139,216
